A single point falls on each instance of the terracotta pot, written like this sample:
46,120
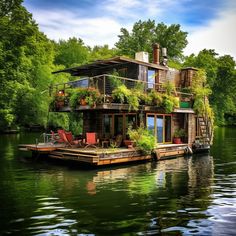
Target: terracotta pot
177,140
83,102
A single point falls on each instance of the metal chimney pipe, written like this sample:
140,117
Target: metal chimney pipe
156,53
164,52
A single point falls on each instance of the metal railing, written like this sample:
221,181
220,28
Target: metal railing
103,83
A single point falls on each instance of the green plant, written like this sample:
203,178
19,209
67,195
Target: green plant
90,95
179,133
144,139
169,87
121,93
169,103
154,98
114,79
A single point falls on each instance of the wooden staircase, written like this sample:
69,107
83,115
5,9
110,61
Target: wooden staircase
206,130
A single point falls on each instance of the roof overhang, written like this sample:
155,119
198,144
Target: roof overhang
105,64
184,110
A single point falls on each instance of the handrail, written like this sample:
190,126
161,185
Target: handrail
103,76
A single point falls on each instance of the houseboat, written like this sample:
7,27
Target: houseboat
120,93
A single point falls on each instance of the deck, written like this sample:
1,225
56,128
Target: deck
104,156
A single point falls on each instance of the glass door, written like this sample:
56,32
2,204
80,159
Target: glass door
159,128
118,125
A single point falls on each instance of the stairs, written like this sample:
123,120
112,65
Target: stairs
205,130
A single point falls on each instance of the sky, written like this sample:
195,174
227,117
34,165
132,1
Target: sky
210,24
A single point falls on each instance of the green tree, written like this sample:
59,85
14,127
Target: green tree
145,33
25,64
221,79
101,52
224,98
72,52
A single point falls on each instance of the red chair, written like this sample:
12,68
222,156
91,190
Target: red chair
67,137
71,139
91,140
55,138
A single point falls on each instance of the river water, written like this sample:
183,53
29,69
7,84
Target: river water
184,196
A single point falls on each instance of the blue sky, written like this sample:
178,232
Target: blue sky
210,23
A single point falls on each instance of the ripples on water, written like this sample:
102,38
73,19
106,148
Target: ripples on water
183,196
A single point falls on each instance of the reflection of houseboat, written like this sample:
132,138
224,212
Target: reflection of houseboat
108,114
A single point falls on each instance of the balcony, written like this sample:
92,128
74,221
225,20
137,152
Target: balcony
114,92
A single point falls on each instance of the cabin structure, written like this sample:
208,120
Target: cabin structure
110,113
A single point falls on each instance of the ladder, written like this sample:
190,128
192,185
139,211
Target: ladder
206,130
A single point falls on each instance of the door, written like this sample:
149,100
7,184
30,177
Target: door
118,125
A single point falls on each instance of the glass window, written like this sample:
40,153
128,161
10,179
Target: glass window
151,123
151,79
107,124
118,125
159,128
167,129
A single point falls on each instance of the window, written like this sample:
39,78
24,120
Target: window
151,79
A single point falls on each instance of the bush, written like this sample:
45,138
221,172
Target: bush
144,139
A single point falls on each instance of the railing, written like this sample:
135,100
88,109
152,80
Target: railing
103,83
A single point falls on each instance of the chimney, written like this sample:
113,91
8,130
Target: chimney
164,57
156,53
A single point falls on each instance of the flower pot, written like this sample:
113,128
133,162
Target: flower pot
129,143
177,140
83,102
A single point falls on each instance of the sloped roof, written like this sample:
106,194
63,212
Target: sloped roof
99,64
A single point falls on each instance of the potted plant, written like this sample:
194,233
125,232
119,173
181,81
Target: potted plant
84,96
178,134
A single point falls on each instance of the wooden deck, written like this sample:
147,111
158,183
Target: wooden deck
105,156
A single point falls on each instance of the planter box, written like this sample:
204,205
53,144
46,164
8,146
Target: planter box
185,104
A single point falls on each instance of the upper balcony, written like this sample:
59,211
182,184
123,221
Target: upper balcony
118,93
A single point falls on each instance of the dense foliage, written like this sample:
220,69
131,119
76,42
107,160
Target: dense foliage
27,58
145,33
221,80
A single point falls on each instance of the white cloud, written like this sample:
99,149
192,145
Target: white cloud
219,34
65,24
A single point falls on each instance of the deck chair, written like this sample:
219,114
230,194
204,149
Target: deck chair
71,139
62,135
55,138
91,140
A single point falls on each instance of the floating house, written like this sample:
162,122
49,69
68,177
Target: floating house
118,93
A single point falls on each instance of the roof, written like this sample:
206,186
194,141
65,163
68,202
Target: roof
190,68
99,64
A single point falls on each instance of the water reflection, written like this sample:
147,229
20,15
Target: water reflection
183,196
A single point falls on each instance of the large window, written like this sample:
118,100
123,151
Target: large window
114,124
160,125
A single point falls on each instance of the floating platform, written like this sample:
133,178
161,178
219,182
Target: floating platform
104,156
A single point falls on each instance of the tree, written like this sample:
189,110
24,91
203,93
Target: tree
145,33
25,64
101,52
220,78
72,52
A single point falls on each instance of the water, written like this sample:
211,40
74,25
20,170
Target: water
183,196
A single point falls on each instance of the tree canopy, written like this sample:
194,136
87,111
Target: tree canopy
145,33
221,77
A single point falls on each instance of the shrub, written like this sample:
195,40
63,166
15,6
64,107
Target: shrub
144,139
121,93
154,98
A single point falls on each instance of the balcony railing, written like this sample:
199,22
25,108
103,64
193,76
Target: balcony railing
104,84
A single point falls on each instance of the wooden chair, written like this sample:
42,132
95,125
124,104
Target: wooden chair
91,140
